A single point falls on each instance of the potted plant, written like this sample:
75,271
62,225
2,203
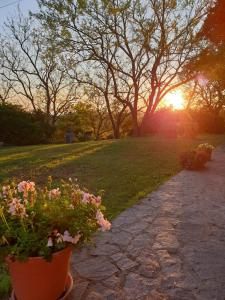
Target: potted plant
193,160
207,148
37,231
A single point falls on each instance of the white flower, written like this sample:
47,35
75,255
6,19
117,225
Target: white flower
5,190
59,238
68,238
50,243
76,239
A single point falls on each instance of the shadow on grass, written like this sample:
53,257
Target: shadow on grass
27,164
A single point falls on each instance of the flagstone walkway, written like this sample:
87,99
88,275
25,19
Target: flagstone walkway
169,246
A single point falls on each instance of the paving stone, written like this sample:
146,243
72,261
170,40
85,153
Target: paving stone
96,268
100,291
166,241
112,282
121,238
126,264
149,270
140,242
94,296
136,228
105,249
155,295
78,290
136,286
123,262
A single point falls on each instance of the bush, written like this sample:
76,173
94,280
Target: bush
209,122
207,148
193,160
19,127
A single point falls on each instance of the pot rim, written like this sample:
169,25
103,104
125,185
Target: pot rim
10,259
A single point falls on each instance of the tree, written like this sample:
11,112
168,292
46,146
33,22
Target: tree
214,26
32,64
143,45
208,67
5,90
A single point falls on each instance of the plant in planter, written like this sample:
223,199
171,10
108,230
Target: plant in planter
207,148
193,160
37,230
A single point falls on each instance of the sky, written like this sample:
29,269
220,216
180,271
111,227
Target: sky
7,11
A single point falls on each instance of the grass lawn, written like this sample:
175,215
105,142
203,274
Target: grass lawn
125,169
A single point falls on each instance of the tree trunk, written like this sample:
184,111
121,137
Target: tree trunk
135,125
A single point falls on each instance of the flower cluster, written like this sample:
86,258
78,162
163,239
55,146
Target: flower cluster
105,224
193,160
206,146
40,221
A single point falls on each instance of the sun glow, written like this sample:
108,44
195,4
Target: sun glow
175,99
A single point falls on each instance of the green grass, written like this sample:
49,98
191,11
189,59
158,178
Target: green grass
125,169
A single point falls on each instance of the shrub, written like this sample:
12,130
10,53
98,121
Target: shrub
19,127
207,148
193,160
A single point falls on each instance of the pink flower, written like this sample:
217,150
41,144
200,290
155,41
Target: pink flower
55,193
16,208
89,198
26,186
85,198
105,224
97,201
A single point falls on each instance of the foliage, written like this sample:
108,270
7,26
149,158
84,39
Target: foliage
208,122
5,282
214,25
193,160
39,222
19,127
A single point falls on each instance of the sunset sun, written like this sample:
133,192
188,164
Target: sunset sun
175,99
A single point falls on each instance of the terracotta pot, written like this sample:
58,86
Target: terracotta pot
38,279
209,154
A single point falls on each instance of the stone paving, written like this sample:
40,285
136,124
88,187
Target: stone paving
169,246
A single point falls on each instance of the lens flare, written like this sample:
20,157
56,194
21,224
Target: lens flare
175,99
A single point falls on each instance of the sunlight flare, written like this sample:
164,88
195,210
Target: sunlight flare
175,99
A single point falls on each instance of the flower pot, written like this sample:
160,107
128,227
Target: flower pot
68,289
38,279
208,154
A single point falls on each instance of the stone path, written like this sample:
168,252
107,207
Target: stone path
169,246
